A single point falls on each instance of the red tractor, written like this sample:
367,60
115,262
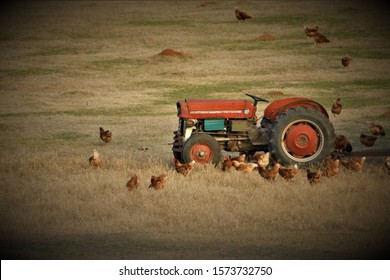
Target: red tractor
293,130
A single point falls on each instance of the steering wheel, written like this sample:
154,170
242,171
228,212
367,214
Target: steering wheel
256,99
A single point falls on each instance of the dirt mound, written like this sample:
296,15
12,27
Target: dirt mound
266,37
207,3
275,93
3,126
170,52
386,114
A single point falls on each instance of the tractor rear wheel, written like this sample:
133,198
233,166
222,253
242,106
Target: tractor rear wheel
201,148
302,136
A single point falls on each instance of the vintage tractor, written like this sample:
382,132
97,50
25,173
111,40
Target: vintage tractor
294,130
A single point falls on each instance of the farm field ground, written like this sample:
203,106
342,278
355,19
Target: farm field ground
69,67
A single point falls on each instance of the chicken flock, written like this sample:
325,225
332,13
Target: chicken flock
368,140
344,145
311,32
261,161
266,168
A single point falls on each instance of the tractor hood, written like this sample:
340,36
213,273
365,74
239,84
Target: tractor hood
210,109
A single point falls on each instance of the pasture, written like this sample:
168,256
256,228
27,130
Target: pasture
69,67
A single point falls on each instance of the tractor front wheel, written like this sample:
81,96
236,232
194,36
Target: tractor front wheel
201,148
302,136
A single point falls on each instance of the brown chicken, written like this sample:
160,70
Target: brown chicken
227,163
367,140
233,146
241,15
387,164
311,31
320,38
262,159
377,129
94,160
354,164
183,168
240,158
330,167
105,135
158,182
288,173
342,144
313,176
336,107
244,167
269,174
345,60
132,184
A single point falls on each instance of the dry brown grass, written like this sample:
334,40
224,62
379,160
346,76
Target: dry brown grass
69,67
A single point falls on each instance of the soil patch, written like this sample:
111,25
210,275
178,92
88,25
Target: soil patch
275,93
3,126
386,114
207,3
171,52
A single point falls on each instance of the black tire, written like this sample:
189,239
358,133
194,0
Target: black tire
302,136
202,148
264,123
177,156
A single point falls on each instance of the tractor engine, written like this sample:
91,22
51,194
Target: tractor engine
231,124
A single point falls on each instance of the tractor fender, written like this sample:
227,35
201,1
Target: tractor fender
275,108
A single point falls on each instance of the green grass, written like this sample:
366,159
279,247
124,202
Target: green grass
289,20
175,92
243,45
372,100
53,51
144,110
355,102
70,136
115,63
31,71
351,85
81,35
160,23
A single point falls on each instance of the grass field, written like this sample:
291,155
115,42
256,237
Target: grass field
69,67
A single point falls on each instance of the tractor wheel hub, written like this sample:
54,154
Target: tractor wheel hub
301,140
201,153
